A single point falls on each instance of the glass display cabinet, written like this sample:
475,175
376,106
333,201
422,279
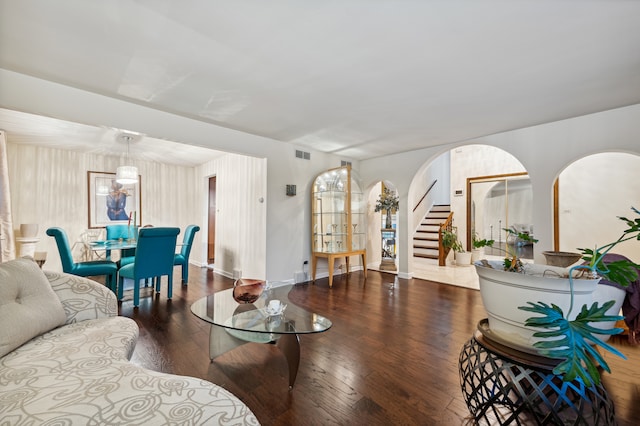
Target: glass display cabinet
338,212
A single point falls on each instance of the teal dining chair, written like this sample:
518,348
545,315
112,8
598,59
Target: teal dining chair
155,251
115,232
182,258
83,269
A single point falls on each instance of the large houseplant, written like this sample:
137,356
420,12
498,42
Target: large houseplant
554,333
389,202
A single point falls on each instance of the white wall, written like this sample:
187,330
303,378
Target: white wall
438,170
596,188
241,214
374,223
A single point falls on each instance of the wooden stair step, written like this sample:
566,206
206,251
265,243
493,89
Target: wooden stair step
426,256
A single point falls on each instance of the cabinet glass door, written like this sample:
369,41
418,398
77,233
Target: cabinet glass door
337,212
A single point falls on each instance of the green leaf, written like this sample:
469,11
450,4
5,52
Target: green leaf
622,272
571,341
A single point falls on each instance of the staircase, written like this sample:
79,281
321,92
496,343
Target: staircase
425,240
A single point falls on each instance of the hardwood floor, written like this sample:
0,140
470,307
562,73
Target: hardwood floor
391,357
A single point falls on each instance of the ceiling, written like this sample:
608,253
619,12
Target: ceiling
24,128
358,78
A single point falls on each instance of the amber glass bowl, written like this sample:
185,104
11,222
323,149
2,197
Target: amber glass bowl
248,290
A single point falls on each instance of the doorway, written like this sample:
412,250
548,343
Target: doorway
500,202
211,236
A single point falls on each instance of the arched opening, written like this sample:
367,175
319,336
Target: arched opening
589,195
382,226
449,180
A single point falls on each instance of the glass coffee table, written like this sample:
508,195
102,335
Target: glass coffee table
233,324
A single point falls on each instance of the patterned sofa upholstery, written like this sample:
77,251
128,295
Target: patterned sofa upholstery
79,372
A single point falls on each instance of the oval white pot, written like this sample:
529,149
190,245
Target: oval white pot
503,292
476,254
463,258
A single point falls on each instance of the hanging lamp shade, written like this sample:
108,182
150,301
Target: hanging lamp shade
127,174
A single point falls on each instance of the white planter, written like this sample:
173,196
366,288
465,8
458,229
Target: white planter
503,292
463,258
476,254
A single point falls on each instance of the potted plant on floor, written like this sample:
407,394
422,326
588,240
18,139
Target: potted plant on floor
512,290
450,240
463,257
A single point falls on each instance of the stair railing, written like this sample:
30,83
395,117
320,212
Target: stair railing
425,194
442,252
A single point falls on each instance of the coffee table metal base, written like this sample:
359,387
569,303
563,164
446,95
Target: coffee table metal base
222,340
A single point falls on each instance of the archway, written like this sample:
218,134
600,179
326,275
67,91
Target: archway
588,196
382,241
445,180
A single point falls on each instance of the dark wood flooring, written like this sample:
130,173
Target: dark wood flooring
391,357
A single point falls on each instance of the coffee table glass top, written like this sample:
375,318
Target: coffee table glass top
222,310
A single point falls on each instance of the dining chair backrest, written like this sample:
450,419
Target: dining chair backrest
187,241
154,252
115,232
83,269
182,258
64,249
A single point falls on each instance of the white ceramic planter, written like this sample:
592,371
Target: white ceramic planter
503,292
463,258
476,254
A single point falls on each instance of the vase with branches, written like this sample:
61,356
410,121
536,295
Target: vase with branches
389,202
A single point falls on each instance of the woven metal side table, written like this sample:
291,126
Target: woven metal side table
503,386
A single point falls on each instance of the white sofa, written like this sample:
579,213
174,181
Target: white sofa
64,359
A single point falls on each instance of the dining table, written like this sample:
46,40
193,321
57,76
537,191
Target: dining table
119,244
99,247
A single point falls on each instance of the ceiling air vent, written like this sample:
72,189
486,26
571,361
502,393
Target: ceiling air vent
302,154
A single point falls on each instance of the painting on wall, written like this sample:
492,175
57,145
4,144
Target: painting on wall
111,202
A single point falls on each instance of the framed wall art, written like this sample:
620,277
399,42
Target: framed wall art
111,202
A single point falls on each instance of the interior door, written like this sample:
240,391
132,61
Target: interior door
211,237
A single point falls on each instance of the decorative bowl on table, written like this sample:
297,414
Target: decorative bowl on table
248,290
562,259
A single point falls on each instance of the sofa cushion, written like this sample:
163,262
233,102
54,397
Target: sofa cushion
28,305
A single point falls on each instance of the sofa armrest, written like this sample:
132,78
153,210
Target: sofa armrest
82,298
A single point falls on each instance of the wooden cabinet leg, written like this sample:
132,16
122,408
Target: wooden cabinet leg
314,263
364,265
331,260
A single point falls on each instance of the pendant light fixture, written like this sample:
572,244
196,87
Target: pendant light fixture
127,174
